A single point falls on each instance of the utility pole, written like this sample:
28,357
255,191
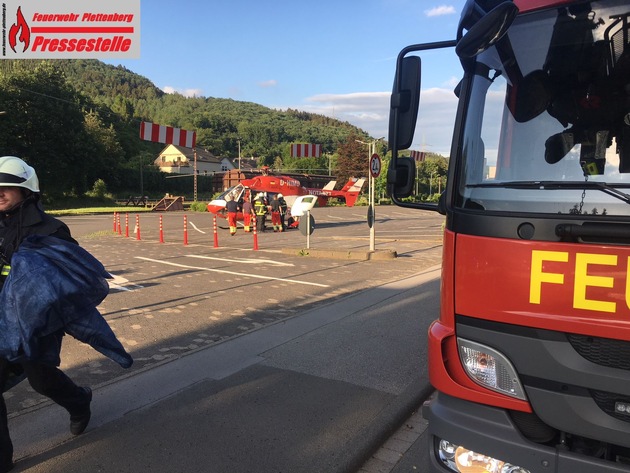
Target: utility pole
239,154
141,178
195,174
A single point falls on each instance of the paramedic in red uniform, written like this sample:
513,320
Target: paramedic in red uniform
232,208
248,214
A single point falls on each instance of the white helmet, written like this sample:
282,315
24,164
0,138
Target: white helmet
280,195
15,172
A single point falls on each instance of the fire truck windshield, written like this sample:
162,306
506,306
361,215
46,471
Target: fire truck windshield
547,127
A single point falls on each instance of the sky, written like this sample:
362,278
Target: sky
330,57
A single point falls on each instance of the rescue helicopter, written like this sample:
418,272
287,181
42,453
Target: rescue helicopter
290,189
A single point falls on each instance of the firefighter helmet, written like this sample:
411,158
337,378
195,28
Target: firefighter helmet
16,173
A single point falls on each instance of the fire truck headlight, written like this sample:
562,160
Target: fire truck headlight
490,368
461,460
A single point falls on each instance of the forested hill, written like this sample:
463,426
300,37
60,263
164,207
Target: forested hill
78,120
219,122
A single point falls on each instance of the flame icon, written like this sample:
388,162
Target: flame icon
20,28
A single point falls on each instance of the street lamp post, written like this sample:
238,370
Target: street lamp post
141,178
239,154
195,174
371,210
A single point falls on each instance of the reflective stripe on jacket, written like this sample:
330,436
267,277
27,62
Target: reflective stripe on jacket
260,208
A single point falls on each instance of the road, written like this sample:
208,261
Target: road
185,294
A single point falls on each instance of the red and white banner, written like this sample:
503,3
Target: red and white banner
417,156
306,151
167,134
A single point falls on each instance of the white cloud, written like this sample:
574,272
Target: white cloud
268,83
366,110
185,92
440,11
370,112
436,118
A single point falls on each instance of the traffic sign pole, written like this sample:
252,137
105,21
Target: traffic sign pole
375,171
308,229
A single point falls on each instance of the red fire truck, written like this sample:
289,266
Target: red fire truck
530,356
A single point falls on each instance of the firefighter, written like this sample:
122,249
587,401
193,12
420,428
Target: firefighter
21,219
261,212
283,212
232,208
275,214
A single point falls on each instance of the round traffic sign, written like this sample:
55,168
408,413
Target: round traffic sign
375,165
307,224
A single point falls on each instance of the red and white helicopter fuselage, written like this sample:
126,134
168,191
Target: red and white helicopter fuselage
289,187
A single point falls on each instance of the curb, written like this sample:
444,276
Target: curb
390,420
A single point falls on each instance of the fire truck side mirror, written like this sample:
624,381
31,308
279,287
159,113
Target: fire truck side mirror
484,29
530,96
404,102
558,146
400,179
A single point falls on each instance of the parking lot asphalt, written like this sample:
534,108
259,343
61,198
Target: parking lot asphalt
179,290
170,298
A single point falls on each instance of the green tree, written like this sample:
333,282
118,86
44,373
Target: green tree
99,189
352,160
432,173
105,153
77,121
44,125
380,184
310,165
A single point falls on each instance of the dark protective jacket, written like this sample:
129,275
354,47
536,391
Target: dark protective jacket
54,285
27,219
283,205
259,207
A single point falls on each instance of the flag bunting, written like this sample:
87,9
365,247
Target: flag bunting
306,150
167,134
417,155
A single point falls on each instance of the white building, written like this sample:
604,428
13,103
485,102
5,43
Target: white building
181,160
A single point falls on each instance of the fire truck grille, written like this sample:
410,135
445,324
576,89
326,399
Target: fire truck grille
614,405
602,351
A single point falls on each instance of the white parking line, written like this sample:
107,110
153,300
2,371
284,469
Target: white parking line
243,260
245,275
195,227
121,284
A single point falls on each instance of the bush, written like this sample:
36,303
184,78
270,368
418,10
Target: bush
198,206
99,189
362,200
